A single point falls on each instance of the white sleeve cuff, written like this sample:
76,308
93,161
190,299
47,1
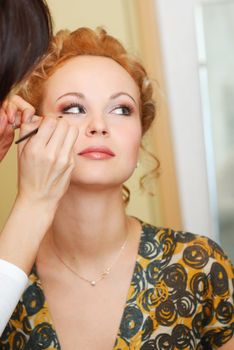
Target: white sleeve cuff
13,281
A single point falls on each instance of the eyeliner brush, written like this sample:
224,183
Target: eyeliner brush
31,133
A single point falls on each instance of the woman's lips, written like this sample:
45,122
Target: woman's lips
97,153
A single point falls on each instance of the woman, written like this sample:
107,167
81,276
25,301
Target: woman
25,31
102,279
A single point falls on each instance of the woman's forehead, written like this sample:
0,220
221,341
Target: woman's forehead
92,72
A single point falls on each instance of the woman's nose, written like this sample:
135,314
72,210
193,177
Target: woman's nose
97,127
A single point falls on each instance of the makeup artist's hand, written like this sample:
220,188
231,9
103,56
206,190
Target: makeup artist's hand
18,110
46,161
13,112
6,134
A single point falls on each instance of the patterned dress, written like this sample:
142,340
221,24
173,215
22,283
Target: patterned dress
180,297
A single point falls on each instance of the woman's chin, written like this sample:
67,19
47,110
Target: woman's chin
97,182
99,178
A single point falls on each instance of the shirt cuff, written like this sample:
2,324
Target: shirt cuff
13,281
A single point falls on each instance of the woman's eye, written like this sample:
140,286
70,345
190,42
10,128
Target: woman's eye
74,109
122,110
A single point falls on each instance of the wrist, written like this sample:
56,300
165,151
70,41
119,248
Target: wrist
37,209
27,226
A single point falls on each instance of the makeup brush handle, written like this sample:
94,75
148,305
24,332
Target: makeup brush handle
31,133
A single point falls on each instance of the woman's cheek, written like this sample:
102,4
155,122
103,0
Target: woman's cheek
132,146
134,136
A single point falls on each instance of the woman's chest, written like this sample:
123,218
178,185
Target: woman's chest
84,315
88,318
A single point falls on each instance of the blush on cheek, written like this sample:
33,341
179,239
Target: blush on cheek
135,139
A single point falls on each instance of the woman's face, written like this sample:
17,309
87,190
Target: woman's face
102,99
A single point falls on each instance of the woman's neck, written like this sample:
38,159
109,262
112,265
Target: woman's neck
90,227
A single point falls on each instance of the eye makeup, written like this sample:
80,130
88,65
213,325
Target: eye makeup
73,108
76,103
123,109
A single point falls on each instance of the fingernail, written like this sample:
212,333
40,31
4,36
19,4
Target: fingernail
14,126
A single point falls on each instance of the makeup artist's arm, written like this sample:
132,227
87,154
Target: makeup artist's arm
14,110
45,165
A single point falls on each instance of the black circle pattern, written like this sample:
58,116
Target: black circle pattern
42,336
219,279
182,337
200,286
166,314
196,256
186,304
175,278
33,299
164,342
138,281
131,321
224,312
19,341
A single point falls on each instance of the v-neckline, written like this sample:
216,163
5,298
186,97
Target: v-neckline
127,298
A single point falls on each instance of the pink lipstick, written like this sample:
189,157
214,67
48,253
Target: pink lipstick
97,153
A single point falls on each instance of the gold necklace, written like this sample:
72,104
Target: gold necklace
104,274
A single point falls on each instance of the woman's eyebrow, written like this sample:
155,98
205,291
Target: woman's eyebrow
122,93
74,94
80,95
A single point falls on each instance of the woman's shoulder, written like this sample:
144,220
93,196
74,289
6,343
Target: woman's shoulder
192,250
183,261
164,234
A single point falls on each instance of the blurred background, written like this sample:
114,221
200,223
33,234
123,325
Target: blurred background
187,47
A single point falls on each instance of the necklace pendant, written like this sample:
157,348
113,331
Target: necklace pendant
93,283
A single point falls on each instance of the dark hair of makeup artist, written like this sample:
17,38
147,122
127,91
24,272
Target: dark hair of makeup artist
25,32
